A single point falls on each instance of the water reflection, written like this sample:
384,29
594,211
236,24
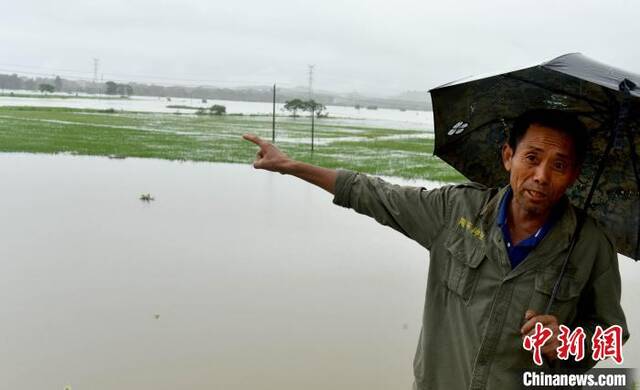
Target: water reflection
230,279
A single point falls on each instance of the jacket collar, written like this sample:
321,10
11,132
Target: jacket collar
546,252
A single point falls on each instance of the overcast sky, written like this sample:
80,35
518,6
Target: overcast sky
380,47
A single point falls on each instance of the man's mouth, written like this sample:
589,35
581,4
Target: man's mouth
535,195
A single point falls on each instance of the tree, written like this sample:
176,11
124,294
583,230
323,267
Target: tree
314,107
58,83
217,109
124,89
294,105
46,88
112,88
14,82
118,89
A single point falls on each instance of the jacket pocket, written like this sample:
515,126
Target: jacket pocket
565,303
461,273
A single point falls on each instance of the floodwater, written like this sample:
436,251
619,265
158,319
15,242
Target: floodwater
409,119
232,278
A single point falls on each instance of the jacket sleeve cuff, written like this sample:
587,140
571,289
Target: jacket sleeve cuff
344,183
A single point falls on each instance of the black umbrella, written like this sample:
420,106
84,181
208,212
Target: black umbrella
472,117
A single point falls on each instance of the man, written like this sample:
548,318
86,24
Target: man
495,255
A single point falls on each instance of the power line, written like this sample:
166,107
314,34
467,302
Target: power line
186,80
49,69
39,74
118,77
89,76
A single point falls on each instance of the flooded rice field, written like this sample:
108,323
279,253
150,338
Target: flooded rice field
349,116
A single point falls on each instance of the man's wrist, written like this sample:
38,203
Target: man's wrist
290,167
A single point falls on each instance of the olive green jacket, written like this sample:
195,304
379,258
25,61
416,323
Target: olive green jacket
475,302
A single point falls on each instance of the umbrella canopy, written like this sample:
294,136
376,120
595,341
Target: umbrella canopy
472,118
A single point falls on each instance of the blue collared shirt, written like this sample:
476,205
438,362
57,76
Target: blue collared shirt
517,253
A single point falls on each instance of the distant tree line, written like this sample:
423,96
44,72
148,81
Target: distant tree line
113,88
58,84
16,82
254,94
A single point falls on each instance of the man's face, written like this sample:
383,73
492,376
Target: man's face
542,167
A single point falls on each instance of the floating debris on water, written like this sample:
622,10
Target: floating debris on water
156,316
146,197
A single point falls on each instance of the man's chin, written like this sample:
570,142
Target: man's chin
533,208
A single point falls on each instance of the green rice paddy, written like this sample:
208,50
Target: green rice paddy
338,143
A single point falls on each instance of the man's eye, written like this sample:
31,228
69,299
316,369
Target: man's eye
530,158
560,165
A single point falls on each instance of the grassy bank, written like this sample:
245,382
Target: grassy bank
404,153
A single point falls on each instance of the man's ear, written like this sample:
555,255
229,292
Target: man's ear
576,175
507,155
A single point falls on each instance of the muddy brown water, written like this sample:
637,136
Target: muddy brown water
230,279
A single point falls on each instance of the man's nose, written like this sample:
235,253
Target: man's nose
542,174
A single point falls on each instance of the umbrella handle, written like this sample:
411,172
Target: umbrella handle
626,86
582,216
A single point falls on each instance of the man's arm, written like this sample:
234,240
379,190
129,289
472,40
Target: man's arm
272,159
415,212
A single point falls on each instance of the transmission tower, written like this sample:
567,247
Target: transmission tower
311,81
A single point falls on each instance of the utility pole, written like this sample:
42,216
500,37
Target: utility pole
96,62
273,122
311,102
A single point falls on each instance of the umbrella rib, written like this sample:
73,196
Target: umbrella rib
594,104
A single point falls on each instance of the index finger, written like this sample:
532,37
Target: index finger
544,319
530,314
253,138
528,326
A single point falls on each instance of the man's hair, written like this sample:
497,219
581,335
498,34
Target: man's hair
561,121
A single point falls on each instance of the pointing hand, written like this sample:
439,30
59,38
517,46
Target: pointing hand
269,157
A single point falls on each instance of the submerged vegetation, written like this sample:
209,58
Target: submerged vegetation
217,138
